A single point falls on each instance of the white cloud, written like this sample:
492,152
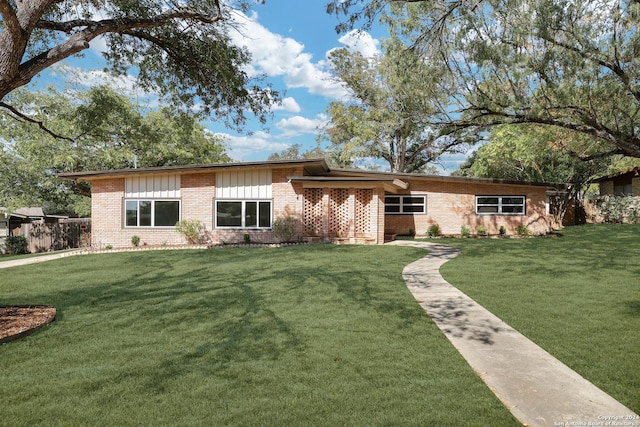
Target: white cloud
298,125
241,147
278,56
288,104
362,42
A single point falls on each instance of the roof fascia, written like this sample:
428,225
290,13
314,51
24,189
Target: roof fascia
310,166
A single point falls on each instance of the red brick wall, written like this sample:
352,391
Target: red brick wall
197,191
452,205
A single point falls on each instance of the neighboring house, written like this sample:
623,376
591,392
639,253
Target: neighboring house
625,183
43,232
4,223
238,201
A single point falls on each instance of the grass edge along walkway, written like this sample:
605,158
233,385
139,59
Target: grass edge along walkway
536,387
312,335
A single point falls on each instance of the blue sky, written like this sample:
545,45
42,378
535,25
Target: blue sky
289,42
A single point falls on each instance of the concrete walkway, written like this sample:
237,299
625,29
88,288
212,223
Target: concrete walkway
36,259
537,388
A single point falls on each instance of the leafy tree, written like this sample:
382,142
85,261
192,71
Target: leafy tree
108,131
181,50
396,101
537,154
294,152
567,64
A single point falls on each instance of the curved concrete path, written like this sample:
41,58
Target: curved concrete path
37,259
537,388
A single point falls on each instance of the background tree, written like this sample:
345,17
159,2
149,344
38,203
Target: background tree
538,154
294,153
181,50
568,64
396,102
108,131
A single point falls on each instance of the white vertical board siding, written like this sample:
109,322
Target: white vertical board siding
244,184
153,187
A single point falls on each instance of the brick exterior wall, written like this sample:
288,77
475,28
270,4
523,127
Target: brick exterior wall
197,202
606,188
452,205
449,204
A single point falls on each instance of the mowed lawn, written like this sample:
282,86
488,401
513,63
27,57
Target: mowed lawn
317,335
577,296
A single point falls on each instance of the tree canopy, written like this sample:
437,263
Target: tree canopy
567,64
396,103
180,50
108,132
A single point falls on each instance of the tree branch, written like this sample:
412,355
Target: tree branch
79,40
17,115
10,18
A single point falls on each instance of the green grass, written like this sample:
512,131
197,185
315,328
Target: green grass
577,296
317,335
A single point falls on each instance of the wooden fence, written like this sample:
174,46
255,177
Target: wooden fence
54,236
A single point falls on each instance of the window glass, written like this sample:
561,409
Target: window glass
507,205
243,214
405,204
392,200
487,209
265,214
131,213
413,208
167,213
487,200
412,200
229,214
251,214
144,211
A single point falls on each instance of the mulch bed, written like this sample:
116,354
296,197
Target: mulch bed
20,321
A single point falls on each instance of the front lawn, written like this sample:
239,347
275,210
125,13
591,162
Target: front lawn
309,335
577,296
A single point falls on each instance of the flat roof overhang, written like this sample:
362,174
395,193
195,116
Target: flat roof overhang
310,166
390,185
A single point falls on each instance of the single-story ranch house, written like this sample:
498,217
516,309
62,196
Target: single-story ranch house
625,183
238,201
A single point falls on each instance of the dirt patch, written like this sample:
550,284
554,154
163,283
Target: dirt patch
19,321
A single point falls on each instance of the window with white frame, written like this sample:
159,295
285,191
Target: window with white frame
410,204
252,214
152,213
152,201
500,205
243,199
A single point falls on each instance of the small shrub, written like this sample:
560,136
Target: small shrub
617,209
412,232
481,230
465,231
285,228
108,246
247,239
433,230
503,230
16,245
522,230
192,230
135,240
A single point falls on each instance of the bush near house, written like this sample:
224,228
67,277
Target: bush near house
618,210
16,245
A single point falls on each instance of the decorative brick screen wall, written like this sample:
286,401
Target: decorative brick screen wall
313,213
339,214
363,212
